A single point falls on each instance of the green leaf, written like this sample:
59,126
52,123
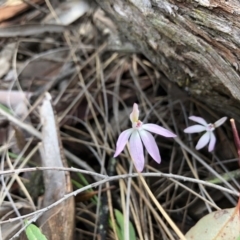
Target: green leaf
83,179
5,109
34,233
120,226
94,199
77,184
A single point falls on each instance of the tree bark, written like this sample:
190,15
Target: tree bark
194,43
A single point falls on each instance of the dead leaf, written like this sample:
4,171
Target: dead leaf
12,98
68,12
5,58
219,225
36,74
13,8
58,222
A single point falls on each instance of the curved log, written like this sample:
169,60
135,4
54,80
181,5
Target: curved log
194,43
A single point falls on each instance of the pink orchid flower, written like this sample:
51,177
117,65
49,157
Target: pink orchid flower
138,134
207,137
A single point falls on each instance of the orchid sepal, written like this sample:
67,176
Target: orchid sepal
139,135
207,138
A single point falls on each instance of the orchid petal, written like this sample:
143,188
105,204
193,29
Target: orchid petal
198,120
136,150
158,130
195,129
122,141
212,142
135,113
220,122
203,141
150,144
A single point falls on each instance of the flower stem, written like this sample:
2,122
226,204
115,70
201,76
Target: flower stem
158,205
126,217
160,208
236,138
